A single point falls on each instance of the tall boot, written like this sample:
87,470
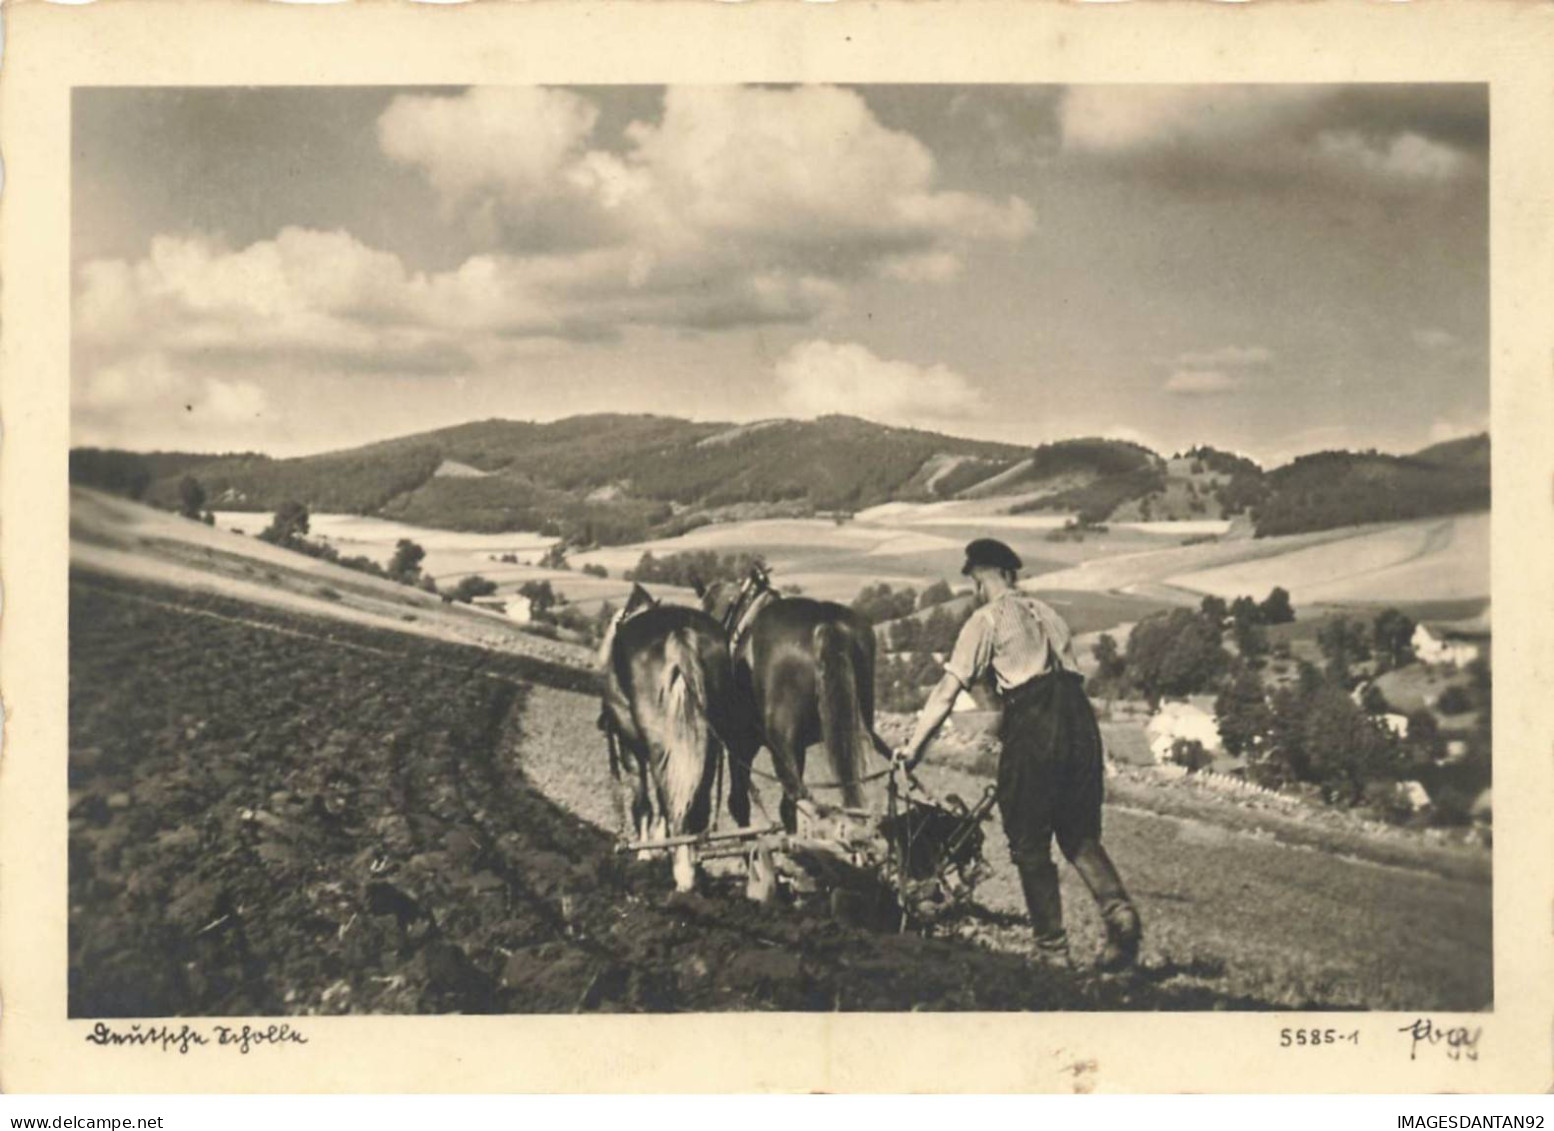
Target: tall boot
1045,903
1123,929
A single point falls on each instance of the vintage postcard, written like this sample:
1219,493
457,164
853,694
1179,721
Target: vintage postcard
934,547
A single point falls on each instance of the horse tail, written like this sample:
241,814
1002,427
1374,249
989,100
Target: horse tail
687,758
841,724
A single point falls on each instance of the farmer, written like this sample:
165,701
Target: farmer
1049,763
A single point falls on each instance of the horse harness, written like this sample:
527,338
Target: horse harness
755,593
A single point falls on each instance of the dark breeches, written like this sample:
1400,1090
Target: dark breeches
1050,772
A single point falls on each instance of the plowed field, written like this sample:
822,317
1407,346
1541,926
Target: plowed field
273,814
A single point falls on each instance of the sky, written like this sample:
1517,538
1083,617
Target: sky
1268,269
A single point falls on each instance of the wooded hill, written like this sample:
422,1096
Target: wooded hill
610,479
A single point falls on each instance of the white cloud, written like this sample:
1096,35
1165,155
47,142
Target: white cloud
816,378
1406,157
512,139
1276,134
1202,382
735,207
150,392
1457,427
727,182
1233,356
1116,119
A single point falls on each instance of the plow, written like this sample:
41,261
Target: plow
903,869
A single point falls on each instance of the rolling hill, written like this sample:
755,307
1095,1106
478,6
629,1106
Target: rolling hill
613,479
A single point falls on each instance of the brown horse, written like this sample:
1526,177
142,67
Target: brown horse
667,686
805,670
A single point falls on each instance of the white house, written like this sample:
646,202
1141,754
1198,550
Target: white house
510,605
1417,796
1397,724
1438,648
1180,720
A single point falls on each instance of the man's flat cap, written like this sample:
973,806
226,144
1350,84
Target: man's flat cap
990,553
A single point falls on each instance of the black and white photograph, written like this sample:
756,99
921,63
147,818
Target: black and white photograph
779,547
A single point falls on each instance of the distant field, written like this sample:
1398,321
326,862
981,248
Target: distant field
1435,568
1427,560
1430,560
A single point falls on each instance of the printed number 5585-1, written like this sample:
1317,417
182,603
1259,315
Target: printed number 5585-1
1291,1038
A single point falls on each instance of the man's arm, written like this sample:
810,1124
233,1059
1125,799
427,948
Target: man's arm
940,702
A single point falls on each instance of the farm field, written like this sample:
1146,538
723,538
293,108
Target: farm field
272,812
1128,572
280,815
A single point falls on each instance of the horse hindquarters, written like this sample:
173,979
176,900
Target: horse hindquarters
688,756
841,724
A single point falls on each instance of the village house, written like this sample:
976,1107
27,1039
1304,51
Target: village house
1441,647
1183,720
510,605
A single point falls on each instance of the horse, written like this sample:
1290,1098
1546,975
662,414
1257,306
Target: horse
668,683
805,669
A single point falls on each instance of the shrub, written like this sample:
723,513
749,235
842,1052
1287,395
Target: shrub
191,497
542,598
593,569
1455,700
1189,752
879,603
472,586
1388,801
691,565
1374,701
290,522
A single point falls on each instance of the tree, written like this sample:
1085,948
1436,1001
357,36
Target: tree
1243,713
1174,653
906,635
405,566
1251,641
191,497
1215,611
471,586
1276,607
941,628
936,594
1245,611
555,557
593,569
1343,645
542,598
1392,634
1109,664
1347,749
1374,701
880,603
1424,735
289,524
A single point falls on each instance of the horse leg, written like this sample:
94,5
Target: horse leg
739,761
788,759
645,809
684,868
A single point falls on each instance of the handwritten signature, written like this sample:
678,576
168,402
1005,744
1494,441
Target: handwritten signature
1460,1041
184,1037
